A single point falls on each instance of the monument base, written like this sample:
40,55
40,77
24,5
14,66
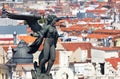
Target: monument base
44,76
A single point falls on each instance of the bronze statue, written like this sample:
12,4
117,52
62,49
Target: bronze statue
49,32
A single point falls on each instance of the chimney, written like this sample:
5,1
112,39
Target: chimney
15,37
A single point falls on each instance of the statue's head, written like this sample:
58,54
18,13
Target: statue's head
51,19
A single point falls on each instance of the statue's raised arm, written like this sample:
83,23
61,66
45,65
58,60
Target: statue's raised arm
32,20
50,35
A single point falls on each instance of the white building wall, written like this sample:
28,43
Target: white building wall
64,55
28,75
86,69
110,54
97,56
2,56
4,72
83,55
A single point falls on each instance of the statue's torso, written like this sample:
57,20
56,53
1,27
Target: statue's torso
51,35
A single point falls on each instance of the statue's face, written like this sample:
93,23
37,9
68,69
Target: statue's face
50,18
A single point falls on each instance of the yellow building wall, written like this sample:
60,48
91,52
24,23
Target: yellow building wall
118,42
4,72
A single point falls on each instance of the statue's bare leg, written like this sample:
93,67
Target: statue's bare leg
52,59
40,58
45,55
50,64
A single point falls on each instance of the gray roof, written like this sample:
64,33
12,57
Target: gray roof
20,29
7,21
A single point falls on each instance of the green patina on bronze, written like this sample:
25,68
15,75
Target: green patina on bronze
48,53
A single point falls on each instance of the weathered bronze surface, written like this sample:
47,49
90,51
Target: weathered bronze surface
49,32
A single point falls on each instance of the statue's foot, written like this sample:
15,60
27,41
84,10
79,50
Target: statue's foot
45,76
50,76
38,72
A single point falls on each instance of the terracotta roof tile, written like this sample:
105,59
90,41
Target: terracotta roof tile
79,27
88,19
6,39
97,36
113,61
5,47
105,31
74,28
57,58
27,39
107,48
97,11
73,46
96,25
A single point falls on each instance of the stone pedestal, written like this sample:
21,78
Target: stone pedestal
44,76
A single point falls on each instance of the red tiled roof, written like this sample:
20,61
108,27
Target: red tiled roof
73,46
96,25
113,61
6,39
88,19
105,31
74,28
79,27
97,36
96,11
57,58
107,48
5,47
27,39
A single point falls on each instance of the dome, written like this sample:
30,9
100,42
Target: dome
20,54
